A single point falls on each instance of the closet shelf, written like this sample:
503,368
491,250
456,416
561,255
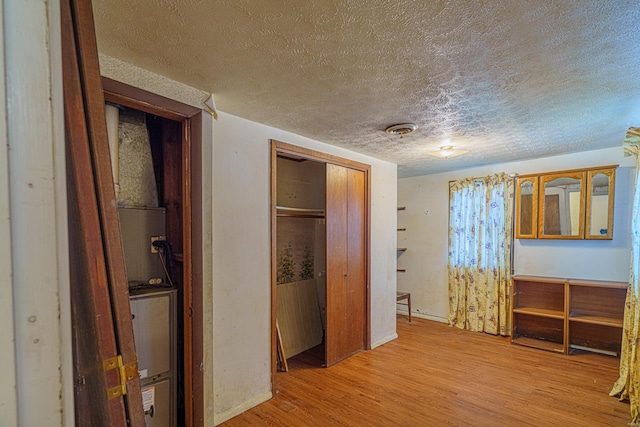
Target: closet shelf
283,211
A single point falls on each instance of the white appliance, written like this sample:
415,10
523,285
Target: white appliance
153,312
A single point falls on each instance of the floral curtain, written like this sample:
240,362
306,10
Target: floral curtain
480,217
628,385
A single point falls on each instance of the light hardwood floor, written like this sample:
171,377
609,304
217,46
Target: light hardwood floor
435,375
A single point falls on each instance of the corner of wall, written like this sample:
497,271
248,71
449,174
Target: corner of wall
384,340
255,401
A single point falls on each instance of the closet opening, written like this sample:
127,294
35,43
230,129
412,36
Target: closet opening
319,258
300,253
158,187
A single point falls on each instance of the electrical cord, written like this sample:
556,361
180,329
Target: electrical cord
166,257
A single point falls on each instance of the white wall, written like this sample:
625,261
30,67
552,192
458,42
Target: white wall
37,209
242,266
8,398
426,219
237,306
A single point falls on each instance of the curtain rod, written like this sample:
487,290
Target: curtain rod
478,178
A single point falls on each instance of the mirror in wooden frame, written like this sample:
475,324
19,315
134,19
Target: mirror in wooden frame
599,204
527,207
561,205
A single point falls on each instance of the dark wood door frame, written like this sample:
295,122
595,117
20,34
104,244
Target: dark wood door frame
191,159
278,148
107,389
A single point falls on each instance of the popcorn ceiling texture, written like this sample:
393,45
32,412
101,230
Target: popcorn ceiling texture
506,80
138,77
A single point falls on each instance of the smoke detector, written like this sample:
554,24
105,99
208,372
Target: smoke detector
401,129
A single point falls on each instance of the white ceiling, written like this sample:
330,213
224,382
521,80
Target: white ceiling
504,79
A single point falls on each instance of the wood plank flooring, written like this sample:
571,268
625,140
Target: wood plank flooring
435,375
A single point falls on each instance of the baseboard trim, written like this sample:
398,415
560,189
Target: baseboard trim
227,415
384,340
423,316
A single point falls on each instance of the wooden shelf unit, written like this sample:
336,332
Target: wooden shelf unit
400,251
400,296
542,312
540,344
596,315
563,315
538,312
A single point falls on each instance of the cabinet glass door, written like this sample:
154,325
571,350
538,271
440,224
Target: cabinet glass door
561,206
600,196
527,207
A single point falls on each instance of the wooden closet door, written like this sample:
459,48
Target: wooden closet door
355,260
345,221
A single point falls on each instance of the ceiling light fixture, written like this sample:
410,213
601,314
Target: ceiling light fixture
447,151
401,129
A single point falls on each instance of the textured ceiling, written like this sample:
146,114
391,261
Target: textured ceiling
506,80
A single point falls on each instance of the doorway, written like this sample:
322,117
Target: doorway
320,231
175,140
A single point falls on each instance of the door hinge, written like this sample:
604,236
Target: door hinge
127,373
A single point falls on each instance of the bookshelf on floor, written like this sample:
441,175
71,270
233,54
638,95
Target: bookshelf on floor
566,315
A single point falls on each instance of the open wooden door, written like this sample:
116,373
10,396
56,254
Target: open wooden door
346,262
107,391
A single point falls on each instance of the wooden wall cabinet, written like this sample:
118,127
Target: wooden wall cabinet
561,205
527,207
599,210
574,204
566,315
